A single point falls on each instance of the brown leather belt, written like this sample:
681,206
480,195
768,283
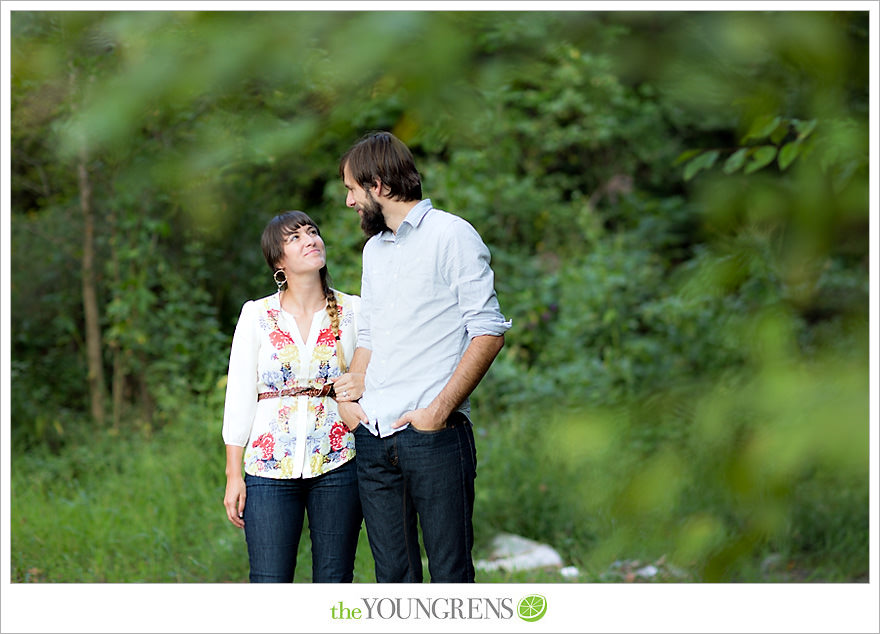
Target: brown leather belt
325,390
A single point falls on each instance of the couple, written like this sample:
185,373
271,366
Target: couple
418,340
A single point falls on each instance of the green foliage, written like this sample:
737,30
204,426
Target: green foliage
779,139
712,478
136,508
127,508
677,209
76,517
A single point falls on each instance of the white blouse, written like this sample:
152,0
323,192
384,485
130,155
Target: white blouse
287,436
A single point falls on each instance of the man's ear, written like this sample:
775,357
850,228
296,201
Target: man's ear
379,188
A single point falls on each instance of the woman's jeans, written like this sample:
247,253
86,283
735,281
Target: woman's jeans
273,522
411,479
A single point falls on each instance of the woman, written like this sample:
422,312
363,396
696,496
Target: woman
286,366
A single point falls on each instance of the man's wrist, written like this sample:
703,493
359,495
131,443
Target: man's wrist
439,412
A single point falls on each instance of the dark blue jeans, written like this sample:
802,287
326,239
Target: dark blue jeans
412,479
273,522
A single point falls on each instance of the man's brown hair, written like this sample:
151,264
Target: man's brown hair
382,156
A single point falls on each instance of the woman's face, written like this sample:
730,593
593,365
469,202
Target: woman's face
304,252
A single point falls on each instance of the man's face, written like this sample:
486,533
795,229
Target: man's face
368,208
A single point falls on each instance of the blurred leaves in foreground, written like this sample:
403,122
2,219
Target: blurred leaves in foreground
676,204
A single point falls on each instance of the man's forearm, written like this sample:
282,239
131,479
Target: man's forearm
474,364
360,360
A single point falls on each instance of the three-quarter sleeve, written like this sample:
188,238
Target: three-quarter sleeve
241,383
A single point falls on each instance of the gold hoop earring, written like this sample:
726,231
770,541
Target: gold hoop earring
280,282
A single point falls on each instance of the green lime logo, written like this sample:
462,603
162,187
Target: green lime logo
532,607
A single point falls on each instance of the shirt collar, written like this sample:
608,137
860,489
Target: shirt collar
417,214
413,219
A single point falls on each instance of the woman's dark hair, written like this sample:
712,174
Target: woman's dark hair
382,156
274,236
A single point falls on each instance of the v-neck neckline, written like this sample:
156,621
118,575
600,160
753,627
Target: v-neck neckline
308,341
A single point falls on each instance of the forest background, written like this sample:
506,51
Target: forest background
677,205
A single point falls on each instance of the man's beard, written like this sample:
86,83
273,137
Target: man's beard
372,219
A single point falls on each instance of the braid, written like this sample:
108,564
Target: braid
333,313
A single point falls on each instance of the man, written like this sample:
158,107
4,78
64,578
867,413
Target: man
430,327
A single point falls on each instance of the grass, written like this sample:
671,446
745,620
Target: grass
135,510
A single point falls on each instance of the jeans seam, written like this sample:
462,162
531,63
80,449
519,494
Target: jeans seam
464,439
407,545
463,492
405,510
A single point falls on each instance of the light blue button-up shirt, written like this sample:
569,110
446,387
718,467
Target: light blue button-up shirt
426,291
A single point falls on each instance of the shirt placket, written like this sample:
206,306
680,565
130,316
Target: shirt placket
397,261
300,405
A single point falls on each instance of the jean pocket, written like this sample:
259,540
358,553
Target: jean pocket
428,432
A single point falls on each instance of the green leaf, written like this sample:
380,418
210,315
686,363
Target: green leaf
762,156
804,128
703,161
686,156
779,133
736,160
789,153
692,168
763,127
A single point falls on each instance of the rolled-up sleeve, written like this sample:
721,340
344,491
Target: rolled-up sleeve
470,277
241,382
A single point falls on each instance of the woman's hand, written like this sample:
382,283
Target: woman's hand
348,387
352,414
236,492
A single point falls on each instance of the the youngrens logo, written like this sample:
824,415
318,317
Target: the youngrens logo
530,608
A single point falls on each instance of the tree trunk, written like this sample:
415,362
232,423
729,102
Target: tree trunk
117,389
90,295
